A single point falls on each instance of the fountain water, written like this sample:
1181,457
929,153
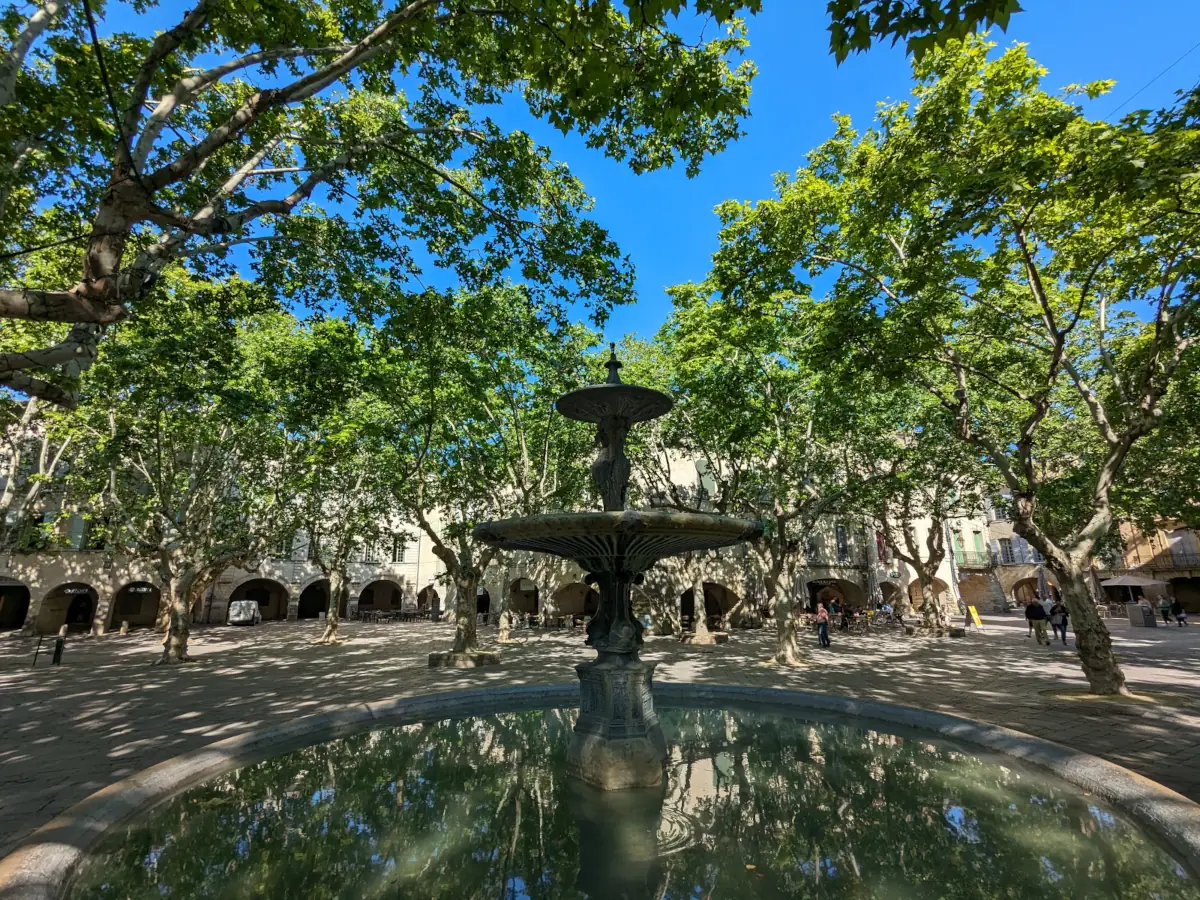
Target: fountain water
618,742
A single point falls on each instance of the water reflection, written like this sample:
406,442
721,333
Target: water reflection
753,806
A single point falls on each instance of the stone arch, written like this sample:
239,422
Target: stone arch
940,589
270,595
523,597
72,604
314,599
381,593
891,592
14,604
718,601
826,590
575,599
136,603
428,598
1024,591
1187,592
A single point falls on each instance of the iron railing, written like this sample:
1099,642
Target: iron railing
973,559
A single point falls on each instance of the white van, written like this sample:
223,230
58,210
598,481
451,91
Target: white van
243,612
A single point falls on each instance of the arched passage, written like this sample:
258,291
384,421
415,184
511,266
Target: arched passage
718,601
483,601
429,599
1025,590
379,595
1187,592
14,606
72,604
827,590
914,592
135,603
575,599
314,600
271,597
523,597
891,593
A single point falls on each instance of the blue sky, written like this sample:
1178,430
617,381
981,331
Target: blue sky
665,221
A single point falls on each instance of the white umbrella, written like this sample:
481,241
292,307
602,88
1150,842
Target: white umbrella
1130,581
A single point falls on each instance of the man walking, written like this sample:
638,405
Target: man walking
1035,613
1164,607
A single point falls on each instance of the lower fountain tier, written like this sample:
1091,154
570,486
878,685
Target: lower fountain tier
618,743
627,542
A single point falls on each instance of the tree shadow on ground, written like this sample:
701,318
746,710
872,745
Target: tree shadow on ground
107,713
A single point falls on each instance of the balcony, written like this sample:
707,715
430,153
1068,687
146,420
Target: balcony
973,559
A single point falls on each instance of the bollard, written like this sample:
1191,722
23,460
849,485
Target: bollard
36,651
124,627
59,643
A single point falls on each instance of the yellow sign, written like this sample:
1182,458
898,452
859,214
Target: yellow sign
975,615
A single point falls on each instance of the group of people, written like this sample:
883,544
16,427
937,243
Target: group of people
1172,608
844,614
1039,612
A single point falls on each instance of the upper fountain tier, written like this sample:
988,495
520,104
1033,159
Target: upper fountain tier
614,399
616,540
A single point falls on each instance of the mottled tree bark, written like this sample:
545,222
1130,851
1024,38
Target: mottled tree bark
339,593
466,580
179,608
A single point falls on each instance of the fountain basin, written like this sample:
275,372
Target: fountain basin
1169,823
630,541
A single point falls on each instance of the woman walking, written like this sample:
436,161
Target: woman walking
1058,620
1179,613
823,626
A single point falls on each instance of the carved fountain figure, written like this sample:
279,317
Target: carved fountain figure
618,743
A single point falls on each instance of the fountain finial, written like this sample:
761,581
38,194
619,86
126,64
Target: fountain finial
613,365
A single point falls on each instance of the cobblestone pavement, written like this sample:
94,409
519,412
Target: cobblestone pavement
106,712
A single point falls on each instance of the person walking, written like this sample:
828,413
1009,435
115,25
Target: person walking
1164,607
823,626
1179,613
1058,620
1036,614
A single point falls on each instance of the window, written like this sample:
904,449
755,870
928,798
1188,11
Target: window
811,548
958,547
1007,557
882,548
398,542
283,548
979,543
369,554
843,542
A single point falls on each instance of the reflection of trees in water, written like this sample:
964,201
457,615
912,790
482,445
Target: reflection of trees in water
478,808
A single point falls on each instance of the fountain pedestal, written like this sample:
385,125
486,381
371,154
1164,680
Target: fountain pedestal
618,742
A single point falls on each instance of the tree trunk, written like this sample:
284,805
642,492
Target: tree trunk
931,609
465,582
179,598
339,593
699,610
1092,639
787,653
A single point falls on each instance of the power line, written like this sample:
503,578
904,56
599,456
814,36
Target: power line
1155,78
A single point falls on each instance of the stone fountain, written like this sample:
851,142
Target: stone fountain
618,742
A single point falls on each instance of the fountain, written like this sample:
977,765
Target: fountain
618,743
